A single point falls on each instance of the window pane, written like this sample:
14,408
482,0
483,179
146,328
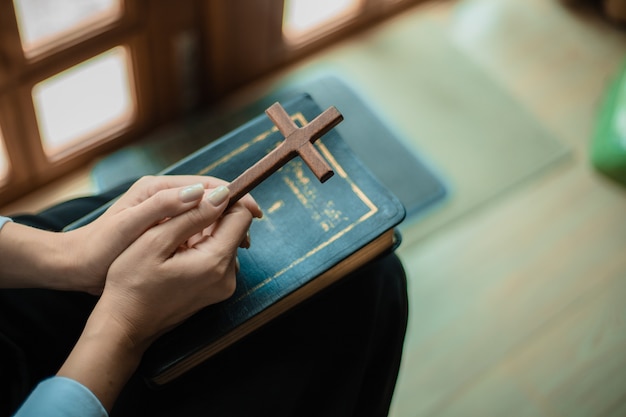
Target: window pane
84,100
4,160
302,17
41,21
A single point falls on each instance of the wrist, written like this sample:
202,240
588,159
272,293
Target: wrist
74,268
113,316
33,258
61,263
104,357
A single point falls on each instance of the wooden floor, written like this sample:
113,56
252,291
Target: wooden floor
518,308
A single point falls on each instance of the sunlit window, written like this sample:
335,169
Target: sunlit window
43,21
84,100
305,17
4,160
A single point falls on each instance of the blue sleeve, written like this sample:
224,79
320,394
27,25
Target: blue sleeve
3,220
61,397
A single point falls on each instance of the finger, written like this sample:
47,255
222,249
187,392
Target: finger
147,186
215,267
250,203
221,246
206,234
231,230
179,229
245,243
164,204
193,240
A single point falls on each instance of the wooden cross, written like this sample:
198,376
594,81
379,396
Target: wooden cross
298,141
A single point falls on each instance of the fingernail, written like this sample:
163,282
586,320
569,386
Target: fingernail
237,265
191,193
219,195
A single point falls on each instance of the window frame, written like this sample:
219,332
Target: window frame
318,32
17,174
240,57
29,166
223,58
100,141
67,38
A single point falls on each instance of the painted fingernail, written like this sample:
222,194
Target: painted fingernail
237,265
219,195
191,193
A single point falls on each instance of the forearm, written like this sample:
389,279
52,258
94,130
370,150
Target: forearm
158,282
32,258
104,358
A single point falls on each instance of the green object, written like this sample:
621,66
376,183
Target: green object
608,148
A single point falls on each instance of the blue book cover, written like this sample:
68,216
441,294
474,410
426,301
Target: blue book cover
311,235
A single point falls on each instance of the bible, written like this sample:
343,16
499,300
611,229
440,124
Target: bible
311,235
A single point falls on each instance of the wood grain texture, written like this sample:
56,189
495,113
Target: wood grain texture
298,141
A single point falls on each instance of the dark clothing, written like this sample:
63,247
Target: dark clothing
337,354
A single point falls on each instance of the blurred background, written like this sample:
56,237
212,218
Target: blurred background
517,279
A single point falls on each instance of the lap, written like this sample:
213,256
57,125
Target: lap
337,354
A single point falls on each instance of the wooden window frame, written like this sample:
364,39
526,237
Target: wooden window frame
241,56
233,42
30,167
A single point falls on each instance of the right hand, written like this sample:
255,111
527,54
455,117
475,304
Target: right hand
169,273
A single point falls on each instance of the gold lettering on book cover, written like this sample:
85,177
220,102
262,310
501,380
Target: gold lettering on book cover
275,207
322,211
331,217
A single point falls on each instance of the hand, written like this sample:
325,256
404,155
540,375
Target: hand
165,276
148,202
158,281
